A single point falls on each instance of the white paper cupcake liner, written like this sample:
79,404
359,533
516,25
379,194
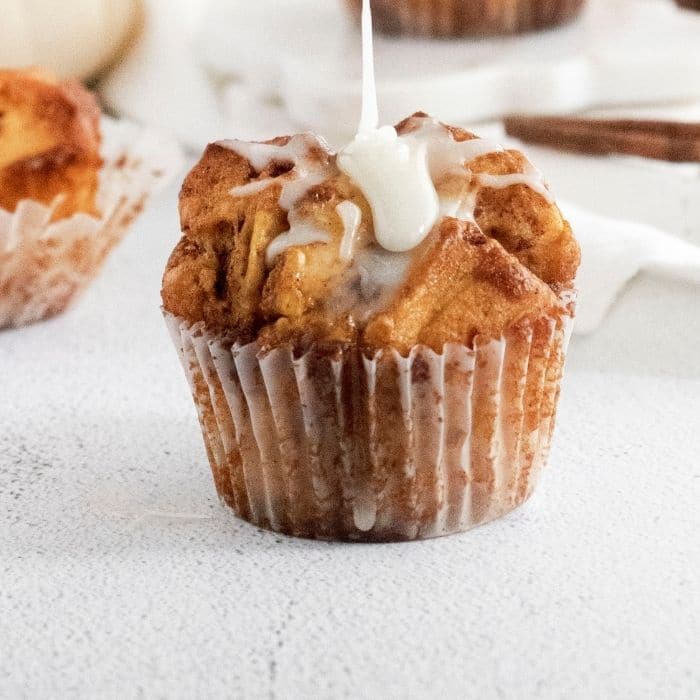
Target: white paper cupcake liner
334,445
44,265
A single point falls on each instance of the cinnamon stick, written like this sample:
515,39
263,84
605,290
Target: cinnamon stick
661,140
690,4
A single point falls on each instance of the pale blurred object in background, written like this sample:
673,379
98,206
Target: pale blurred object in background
72,38
255,70
162,82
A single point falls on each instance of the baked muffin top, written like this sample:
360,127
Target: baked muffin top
279,245
49,142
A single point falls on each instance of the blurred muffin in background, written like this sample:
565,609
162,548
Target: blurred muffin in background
75,39
458,18
49,142
66,197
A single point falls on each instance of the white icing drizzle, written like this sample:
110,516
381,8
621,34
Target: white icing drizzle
302,151
397,175
381,272
351,216
445,155
393,175
391,172
301,232
532,178
253,187
259,155
461,207
369,118
309,170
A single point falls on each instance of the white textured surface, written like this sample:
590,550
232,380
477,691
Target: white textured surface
120,576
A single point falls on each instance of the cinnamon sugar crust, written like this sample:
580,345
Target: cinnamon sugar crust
49,142
467,278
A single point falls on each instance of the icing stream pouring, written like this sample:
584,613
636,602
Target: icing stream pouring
392,173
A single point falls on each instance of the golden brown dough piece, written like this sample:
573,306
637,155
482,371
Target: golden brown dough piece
463,284
49,142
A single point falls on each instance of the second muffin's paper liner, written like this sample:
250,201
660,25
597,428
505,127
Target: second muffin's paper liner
462,18
332,444
45,264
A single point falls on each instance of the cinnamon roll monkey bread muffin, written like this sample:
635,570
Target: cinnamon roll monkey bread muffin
475,18
373,358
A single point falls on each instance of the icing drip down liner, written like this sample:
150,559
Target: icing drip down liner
333,444
44,264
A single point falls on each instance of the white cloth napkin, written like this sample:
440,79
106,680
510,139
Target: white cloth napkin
613,252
